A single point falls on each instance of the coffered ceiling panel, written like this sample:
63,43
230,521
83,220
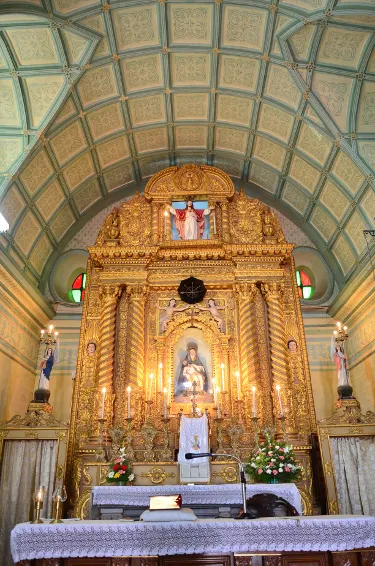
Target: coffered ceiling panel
96,96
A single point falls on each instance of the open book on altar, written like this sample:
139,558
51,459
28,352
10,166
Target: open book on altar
194,439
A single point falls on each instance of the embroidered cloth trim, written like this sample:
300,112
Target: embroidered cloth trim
116,538
226,494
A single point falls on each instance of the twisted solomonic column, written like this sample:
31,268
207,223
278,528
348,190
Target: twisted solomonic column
109,295
136,335
278,347
246,293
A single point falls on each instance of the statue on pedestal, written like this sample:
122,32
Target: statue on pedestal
51,356
190,221
338,356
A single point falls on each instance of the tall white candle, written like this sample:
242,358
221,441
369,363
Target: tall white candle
218,402
237,374
165,402
103,400
129,390
42,333
279,396
214,389
50,328
254,389
222,377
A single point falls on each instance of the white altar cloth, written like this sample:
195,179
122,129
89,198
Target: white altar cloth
225,494
116,538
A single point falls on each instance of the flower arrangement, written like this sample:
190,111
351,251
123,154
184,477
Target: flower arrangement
121,469
273,462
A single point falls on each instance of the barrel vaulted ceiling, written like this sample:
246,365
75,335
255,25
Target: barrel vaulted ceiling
278,93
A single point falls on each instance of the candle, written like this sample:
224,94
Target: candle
42,333
222,376
39,495
339,324
150,387
218,402
169,390
214,216
237,374
279,396
165,402
56,334
214,389
165,221
335,332
254,401
129,390
103,399
50,328
345,328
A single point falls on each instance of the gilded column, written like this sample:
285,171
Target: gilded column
225,221
265,381
136,333
278,350
109,295
155,207
247,334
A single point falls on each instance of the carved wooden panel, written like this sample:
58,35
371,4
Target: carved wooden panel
88,562
368,558
305,559
272,560
346,559
243,560
196,560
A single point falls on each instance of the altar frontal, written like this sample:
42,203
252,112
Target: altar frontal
191,303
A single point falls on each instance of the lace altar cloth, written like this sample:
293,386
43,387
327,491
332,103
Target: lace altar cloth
226,494
116,538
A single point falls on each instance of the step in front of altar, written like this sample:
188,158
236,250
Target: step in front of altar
207,501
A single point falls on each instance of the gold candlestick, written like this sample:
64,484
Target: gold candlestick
58,497
255,427
239,403
282,419
100,452
166,453
220,447
129,441
38,504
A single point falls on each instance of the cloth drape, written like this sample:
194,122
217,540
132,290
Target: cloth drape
193,437
26,465
354,467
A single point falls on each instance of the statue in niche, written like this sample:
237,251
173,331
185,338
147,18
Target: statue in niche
339,357
190,221
50,358
192,370
168,312
89,364
214,309
292,346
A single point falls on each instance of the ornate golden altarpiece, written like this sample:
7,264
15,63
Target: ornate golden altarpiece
134,269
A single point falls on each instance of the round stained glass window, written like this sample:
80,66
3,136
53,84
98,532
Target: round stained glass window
304,284
77,292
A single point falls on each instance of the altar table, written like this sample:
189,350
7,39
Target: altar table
217,537
114,502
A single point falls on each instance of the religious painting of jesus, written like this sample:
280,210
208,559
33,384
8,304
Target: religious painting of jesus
190,220
193,364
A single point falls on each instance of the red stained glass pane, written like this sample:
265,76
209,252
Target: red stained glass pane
305,279
83,296
77,284
78,288
300,292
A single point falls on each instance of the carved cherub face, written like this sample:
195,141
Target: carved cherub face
172,302
211,303
91,348
292,345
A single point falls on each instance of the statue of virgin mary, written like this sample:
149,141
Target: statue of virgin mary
192,369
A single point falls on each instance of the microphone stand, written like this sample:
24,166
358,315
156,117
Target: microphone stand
244,514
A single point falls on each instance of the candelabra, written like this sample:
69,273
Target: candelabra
129,441
282,420
340,335
46,336
166,453
239,410
255,420
100,453
38,503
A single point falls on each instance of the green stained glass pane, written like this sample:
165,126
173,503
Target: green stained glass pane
298,277
76,294
307,292
84,281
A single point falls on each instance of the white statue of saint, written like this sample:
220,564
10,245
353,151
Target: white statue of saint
214,310
339,357
168,313
190,221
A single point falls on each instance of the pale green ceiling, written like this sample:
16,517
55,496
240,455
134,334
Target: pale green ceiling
279,94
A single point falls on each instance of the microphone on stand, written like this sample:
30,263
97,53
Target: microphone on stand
244,514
